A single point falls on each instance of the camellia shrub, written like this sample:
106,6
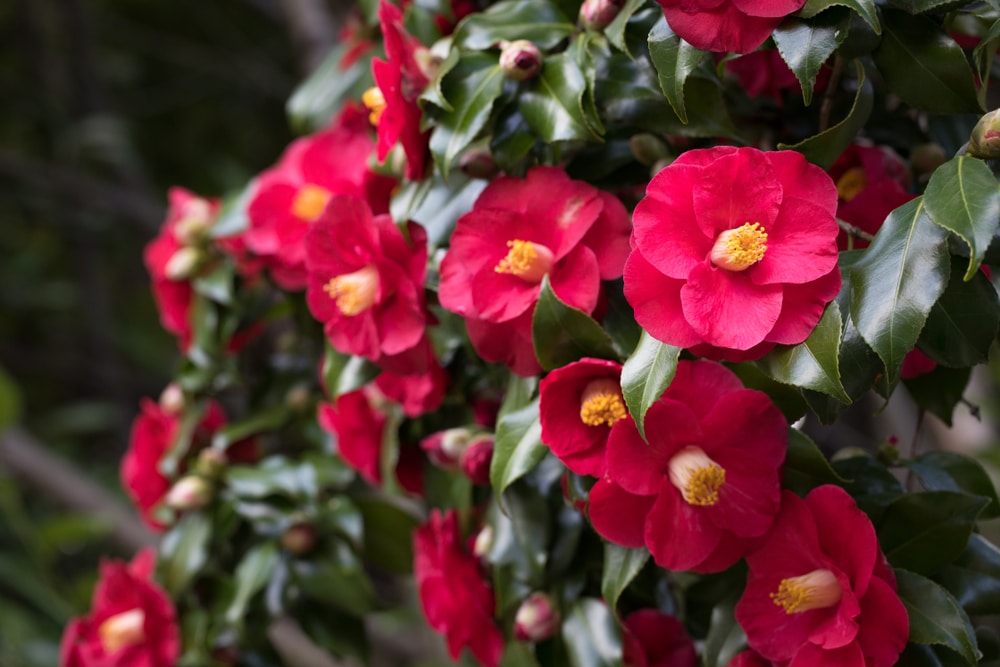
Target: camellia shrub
527,331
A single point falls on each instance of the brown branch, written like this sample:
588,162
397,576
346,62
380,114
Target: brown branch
854,231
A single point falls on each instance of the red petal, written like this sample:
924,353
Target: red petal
884,625
680,536
840,516
656,300
735,189
768,8
617,515
609,237
814,656
639,467
801,245
727,310
802,307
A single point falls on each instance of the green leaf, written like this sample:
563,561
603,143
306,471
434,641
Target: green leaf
10,400
336,577
963,323
674,60
552,102
806,46
518,447
950,471
562,334
897,282
935,616
388,541
725,636
805,466
184,551
616,29
267,419
253,572
962,196
621,565
974,578
343,373
813,363
925,531
925,6
319,98
471,88
940,390
924,66
646,375
591,634
824,148
983,55
866,9
537,21
435,204
518,394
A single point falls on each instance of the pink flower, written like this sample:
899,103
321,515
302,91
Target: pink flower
749,658
915,364
418,393
706,486
654,639
518,231
737,26
131,622
579,404
295,192
871,182
819,591
735,251
359,427
366,281
765,73
455,599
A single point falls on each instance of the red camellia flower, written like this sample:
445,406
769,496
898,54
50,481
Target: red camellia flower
654,639
871,182
456,601
518,231
749,658
579,404
819,591
295,192
735,251
706,485
366,281
765,73
737,26
131,621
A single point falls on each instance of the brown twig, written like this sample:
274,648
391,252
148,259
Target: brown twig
855,232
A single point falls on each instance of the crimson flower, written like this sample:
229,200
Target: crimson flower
131,621
765,73
518,231
871,182
706,485
455,598
749,658
737,26
735,251
654,639
295,192
578,405
418,393
366,282
819,591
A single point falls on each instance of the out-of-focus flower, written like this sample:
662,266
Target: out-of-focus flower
537,618
654,639
737,26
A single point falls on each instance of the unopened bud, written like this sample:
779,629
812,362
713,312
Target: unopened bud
484,542
298,398
925,158
195,222
211,463
520,60
189,493
648,148
476,460
445,448
184,264
537,618
479,163
597,14
985,140
172,399
300,539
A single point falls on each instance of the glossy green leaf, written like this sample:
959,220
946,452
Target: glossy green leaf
963,197
674,60
806,46
974,579
621,565
983,56
184,551
923,532
785,397
518,447
924,66
471,88
725,636
343,373
519,392
336,577
951,471
277,475
435,204
591,634
538,21
925,6
10,400
588,51
562,334
866,9
615,30
388,540
962,325
824,148
552,102
805,466
939,391
266,419
318,99
935,616
897,282
813,363
518,654
646,375
253,572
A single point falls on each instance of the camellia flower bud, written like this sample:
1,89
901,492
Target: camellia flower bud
476,460
985,140
479,163
172,399
299,539
648,148
183,264
520,60
189,493
196,222
483,542
445,448
597,14
925,158
537,618
210,463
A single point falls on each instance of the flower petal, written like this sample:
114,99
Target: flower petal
727,310
617,515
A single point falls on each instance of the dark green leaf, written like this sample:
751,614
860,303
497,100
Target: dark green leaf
950,471
518,654
184,551
865,9
983,55
436,205
814,363
471,88
805,466
805,47
552,102
897,281
725,636
674,60
562,334
336,577
974,578
277,475
232,217
925,6
537,21
646,375
319,98
870,483
785,397
962,196
935,616
343,373
924,66
591,634
267,419
518,394
518,447
388,541
940,390
925,531
521,537
963,323
621,565
616,29
251,575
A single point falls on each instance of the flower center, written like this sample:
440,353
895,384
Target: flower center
374,101
121,630
354,292
851,183
696,476
526,260
601,403
817,590
310,201
739,249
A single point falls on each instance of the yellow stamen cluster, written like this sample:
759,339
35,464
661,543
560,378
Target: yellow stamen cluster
818,589
526,260
739,249
851,183
354,292
121,630
601,403
374,101
310,201
696,476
